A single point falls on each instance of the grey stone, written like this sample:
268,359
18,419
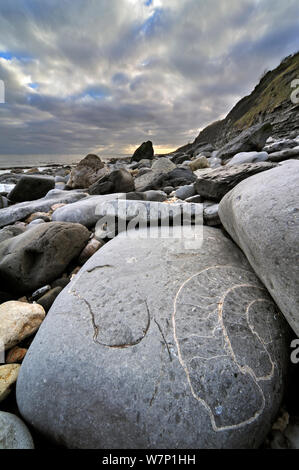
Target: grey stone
261,215
118,181
83,211
214,184
23,209
10,231
185,191
13,433
47,300
39,255
144,152
252,139
284,155
211,215
36,222
87,172
158,196
30,188
176,177
120,212
3,202
277,146
158,343
214,162
161,166
248,157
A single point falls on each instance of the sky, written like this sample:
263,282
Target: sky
102,76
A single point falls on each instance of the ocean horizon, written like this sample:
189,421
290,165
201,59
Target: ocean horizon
30,161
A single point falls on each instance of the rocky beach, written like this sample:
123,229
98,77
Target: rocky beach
115,336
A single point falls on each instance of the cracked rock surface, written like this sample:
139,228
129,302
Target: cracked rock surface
158,343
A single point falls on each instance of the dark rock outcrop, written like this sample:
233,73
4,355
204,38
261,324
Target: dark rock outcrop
144,152
30,187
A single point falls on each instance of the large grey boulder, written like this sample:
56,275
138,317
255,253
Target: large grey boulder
87,172
214,184
10,231
30,187
118,181
39,255
158,343
261,215
144,152
20,211
83,211
251,139
13,433
248,157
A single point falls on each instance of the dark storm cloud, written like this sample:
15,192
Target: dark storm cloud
104,75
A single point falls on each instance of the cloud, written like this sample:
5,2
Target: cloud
104,75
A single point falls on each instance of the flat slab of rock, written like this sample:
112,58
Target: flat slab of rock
13,433
158,343
214,184
284,155
261,215
39,255
20,211
30,187
83,211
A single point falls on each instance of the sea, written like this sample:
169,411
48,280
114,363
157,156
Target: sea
8,162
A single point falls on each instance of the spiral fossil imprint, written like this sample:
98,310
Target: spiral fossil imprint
222,322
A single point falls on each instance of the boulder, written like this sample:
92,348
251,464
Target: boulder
10,231
158,196
161,166
8,376
4,202
214,184
277,146
248,157
30,188
199,163
284,155
118,181
40,255
24,209
176,177
144,152
211,215
83,212
185,191
87,172
13,433
261,216
18,320
252,139
158,344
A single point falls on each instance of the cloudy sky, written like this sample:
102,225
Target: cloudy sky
102,76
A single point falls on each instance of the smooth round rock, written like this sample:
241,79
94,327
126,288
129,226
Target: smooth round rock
13,433
18,320
158,343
